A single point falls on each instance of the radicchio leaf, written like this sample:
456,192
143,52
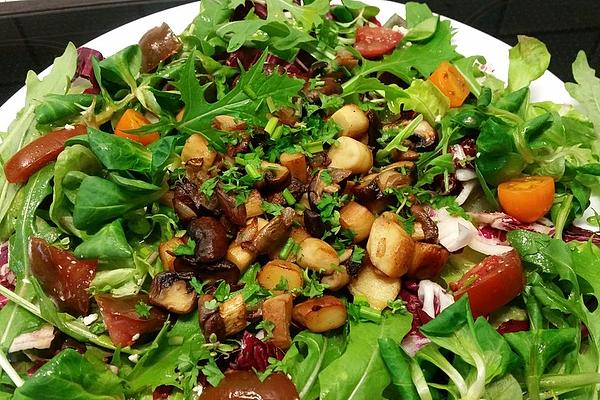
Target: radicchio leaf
85,68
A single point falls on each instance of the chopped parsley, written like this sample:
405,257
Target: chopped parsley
143,310
271,208
186,249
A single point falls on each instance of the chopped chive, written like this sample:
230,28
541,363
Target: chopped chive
277,132
287,248
271,125
240,160
314,147
287,195
370,314
252,171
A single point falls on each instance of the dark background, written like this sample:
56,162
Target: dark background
33,32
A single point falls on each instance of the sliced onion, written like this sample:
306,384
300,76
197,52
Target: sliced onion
434,298
454,232
465,192
40,339
413,342
488,247
465,174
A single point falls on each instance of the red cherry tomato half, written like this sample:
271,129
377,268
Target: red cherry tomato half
375,41
492,283
63,277
123,322
38,153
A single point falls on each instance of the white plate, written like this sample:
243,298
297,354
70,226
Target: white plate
469,41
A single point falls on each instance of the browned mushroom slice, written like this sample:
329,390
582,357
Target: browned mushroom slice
428,261
326,181
221,270
235,213
398,174
172,291
209,318
276,175
430,229
367,190
157,45
374,128
274,233
233,311
313,223
424,137
210,237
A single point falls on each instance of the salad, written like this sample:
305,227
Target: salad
294,201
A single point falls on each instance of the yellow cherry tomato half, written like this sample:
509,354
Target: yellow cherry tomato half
528,198
133,119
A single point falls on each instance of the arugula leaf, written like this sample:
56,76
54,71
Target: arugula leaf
71,375
247,101
307,16
310,354
408,61
528,60
365,374
587,89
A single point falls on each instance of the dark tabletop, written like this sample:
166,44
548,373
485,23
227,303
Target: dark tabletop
32,33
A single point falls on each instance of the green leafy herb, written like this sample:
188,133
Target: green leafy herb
197,285
186,249
222,292
142,309
266,326
271,208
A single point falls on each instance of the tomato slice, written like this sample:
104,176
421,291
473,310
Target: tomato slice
527,199
492,283
375,41
450,82
39,153
63,277
123,322
132,119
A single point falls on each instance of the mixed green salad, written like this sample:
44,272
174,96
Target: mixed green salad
294,201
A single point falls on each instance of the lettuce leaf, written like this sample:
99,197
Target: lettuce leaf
528,60
587,89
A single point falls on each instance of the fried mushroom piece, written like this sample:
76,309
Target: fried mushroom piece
173,292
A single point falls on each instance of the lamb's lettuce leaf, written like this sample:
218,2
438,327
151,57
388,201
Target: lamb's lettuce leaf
69,375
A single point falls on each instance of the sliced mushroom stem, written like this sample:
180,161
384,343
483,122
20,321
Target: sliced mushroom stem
318,255
233,312
352,120
428,261
378,288
337,280
166,252
296,164
280,276
358,219
196,147
321,314
253,204
350,154
278,310
389,247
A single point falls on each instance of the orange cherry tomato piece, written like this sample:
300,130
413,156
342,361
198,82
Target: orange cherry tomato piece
527,199
451,83
132,119
491,284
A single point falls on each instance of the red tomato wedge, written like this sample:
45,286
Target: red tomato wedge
130,120
38,153
492,283
63,277
124,324
527,199
376,41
